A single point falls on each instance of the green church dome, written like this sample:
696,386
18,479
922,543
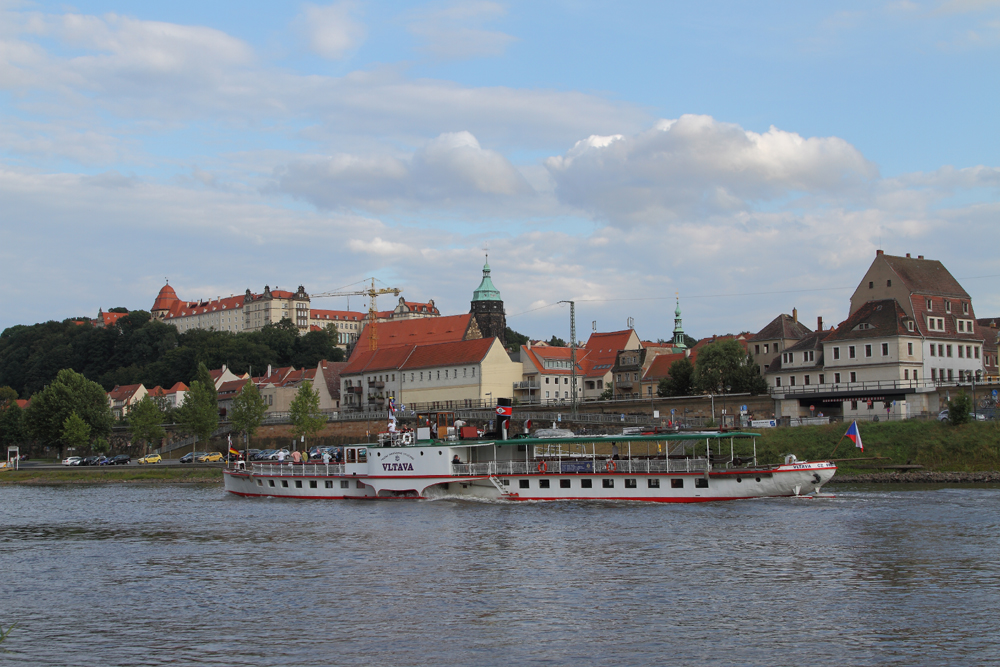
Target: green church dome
486,290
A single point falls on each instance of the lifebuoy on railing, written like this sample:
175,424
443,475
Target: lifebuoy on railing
542,466
609,465
407,438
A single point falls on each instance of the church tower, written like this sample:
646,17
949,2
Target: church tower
678,329
487,308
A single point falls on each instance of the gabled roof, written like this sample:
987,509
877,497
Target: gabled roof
336,315
419,331
447,354
178,386
232,387
108,319
124,392
603,349
383,359
925,276
660,366
331,374
537,356
813,341
875,319
783,327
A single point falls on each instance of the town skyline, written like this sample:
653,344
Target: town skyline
750,159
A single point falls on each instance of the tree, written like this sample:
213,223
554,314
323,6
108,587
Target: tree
12,430
679,379
248,410
607,394
304,412
205,377
959,409
75,431
70,392
145,422
514,339
199,415
724,364
555,341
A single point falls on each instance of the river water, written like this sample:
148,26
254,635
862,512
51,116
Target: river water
172,574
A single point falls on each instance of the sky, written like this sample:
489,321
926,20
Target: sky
748,158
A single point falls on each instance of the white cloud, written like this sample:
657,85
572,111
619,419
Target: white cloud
451,168
332,31
697,165
457,32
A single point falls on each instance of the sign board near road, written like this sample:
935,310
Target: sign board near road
763,423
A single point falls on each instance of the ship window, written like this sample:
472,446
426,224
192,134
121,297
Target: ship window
270,482
757,478
363,455
298,484
543,484
564,484
284,483
260,483
586,483
523,484
630,484
608,483
312,484
677,484
701,483
329,484
360,484
653,483
344,484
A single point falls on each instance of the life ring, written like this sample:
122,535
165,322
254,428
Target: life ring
542,467
407,438
610,465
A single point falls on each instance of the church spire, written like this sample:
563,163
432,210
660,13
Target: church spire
678,329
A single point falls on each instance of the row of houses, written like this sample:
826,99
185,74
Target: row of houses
277,387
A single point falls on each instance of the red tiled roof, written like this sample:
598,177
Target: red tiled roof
537,355
925,276
188,308
23,403
603,349
111,318
447,354
165,298
178,386
420,331
156,392
123,393
385,358
660,368
331,373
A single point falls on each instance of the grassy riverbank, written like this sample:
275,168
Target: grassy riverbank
934,445
130,475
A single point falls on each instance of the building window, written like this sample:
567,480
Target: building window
909,349
948,350
777,382
766,345
836,378
949,375
836,353
976,350
888,283
854,405
854,376
947,306
940,350
906,373
791,381
756,349
851,353
868,350
821,378
915,374
930,305
934,374
933,350
546,380
806,380
885,349
965,307
871,284
961,352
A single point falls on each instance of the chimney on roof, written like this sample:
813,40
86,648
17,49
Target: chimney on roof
920,256
795,315
878,252
268,371
819,323
907,255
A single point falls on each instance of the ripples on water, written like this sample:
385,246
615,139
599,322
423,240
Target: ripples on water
152,575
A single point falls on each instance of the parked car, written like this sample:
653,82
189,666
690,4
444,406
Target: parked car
214,457
89,460
188,458
150,458
274,455
973,416
71,461
120,460
102,461
262,455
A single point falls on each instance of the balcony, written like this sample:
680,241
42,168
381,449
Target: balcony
376,384
353,390
525,384
624,385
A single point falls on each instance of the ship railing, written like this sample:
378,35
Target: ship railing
575,466
297,469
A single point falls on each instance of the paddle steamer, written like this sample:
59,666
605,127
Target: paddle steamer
663,467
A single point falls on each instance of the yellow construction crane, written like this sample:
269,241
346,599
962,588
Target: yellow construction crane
372,292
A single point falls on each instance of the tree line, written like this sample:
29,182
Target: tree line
138,349
721,367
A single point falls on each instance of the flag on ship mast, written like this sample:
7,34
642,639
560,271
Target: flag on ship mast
232,450
855,435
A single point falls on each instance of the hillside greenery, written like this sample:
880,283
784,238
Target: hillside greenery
937,446
138,349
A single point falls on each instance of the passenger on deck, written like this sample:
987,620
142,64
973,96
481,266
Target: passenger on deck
456,461
296,457
326,456
614,451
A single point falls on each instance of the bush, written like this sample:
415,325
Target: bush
959,409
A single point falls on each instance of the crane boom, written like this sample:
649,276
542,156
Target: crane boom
372,292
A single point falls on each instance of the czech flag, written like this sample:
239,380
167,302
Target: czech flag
854,434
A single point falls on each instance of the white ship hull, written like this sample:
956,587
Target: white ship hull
319,481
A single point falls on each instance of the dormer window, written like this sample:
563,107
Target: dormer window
947,306
909,325
965,307
930,305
